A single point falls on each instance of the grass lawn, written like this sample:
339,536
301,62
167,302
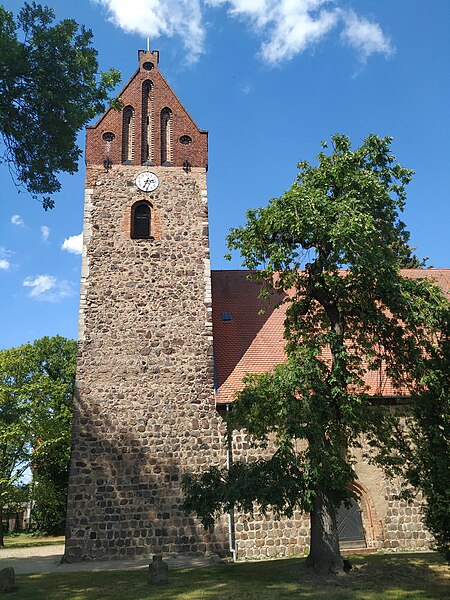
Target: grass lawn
26,540
386,577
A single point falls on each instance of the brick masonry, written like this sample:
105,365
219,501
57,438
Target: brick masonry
195,152
144,404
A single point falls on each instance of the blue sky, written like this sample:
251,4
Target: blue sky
270,80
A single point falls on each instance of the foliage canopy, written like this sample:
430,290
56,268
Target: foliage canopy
36,389
49,89
425,444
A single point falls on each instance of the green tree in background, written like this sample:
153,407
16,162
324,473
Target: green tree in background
49,486
36,390
333,246
49,89
426,442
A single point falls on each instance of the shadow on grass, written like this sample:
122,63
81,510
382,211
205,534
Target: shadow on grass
33,562
390,577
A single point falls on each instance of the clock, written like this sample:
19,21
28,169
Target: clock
147,181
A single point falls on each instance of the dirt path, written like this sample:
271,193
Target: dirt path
46,559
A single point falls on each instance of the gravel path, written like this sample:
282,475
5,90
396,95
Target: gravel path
46,559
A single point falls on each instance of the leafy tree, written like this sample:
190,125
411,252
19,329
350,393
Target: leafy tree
51,461
49,89
332,246
425,443
36,389
50,483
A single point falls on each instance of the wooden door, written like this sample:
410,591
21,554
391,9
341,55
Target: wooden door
350,527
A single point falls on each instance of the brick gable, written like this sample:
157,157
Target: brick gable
183,126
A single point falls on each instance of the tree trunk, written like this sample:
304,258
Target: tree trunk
2,542
17,522
324,554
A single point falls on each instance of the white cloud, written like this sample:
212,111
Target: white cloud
40,284
160,17
295,26
4,256
16,220
246,89
365,36
73,244
285,27
47,288
45,232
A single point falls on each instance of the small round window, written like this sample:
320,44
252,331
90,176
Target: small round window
108,136
185,140
148,66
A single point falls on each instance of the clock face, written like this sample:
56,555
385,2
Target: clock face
147,181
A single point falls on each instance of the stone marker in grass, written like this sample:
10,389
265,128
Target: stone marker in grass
8,580
158,571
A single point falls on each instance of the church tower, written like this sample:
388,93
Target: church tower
144,405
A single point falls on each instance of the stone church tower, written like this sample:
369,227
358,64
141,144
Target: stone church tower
144,405
145,411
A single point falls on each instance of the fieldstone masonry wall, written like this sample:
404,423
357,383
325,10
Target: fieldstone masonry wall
388,522
144,406
403,524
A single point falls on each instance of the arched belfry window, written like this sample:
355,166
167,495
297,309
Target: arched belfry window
141,221
166,136
147,122
128,135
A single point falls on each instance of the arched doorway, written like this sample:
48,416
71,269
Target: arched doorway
350,526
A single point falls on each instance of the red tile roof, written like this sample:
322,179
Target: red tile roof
253,343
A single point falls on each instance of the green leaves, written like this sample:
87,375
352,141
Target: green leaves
344,212
279,484
428,465
36,392
49,89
